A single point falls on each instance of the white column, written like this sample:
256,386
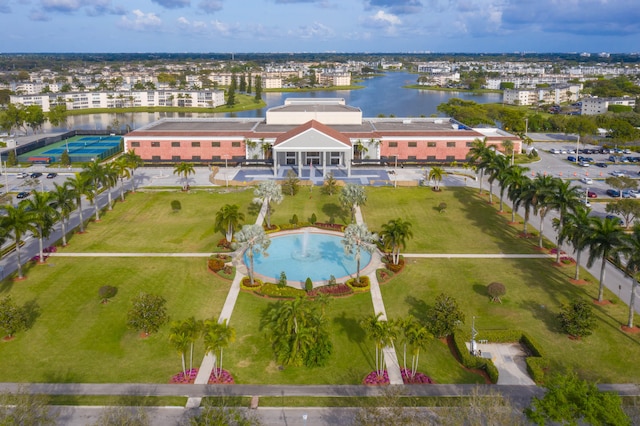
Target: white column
275,163
324,163
299,164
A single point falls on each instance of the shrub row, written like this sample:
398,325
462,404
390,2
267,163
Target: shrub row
289,226
470,361
332,290
361,286
273,290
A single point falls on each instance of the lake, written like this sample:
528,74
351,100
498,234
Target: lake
380,95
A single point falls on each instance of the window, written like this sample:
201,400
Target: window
155,158
135,144
195,144
393,144
412,158
196,158
451,144
413,144
155,144
431,158
176,158
235,144
215,144
175,144
431,144
215,158
451,158
469,144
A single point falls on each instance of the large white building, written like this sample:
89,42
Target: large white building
556,94
153,98
595,105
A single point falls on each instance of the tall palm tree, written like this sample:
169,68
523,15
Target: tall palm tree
228,218
111,174
507,146
435,175
394,236
79,185
62,199
19,220
479,154
193,329
180,340
417,336
95,173
45,216
513,180
605,239
268,191
184,170
523,195
496,166
382,334
576,229
631,251
133,161
351,197
122,169
565,198
253,240
217,336
358,238
543,194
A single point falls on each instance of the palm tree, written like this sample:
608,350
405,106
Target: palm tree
512,181
565,197
543,193
79,185
330,184
496,167
435,175
184,170
193,329
180,340
417,336
605,239
217,336
111,174
45,217
353,196
631,251
95,174
133,161
268,191
62,199
122,169
507,145
523,195
478,155
576,229
253,240
394,235
228,218
18,220
356,239
382,334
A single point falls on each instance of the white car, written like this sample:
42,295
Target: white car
634,194
587,180
22,175
618,174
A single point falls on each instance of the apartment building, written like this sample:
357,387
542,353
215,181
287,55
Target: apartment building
555,94
595,105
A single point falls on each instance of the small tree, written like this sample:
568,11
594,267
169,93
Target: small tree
445,316
291,184
106,292
12,160
313,219
628,208
577,319
130,416
442,207
496,290
148,313
13,318
27,408
65,160
176,206
308,285
330,185
282,282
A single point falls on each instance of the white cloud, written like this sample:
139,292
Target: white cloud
382,20
141,21
315,30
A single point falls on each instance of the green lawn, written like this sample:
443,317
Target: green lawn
77,339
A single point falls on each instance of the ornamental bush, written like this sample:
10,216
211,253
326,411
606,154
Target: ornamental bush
308,285
495,291
215,264
106,292
577,318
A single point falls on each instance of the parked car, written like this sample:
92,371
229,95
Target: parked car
613,193
35,175
633,193
614,217
22,175
51,175
22,194
585,202
592,194
583,164
587,180
603,165
617,173
571,158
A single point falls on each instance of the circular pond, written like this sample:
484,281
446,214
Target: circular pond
307,254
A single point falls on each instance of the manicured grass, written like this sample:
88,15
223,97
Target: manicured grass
145,222
469,225
75,338
120,400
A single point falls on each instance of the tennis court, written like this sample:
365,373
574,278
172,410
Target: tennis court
82,149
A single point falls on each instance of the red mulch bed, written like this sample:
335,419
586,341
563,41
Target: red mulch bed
630,330
578,282
603,303
452,348
8,338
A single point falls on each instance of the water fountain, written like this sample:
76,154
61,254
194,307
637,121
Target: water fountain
306,253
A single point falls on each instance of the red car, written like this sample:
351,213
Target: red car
592,194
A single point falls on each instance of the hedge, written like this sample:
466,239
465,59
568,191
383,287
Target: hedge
272,290
536,363
363,286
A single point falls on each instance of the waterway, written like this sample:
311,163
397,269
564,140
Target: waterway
382,95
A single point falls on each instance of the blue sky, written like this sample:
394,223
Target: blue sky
320,26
